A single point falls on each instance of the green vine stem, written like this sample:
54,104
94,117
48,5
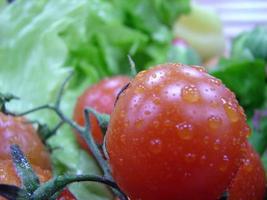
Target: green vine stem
49,188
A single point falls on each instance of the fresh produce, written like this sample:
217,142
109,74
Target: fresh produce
41,41
100,97
250,180
176,133
17,130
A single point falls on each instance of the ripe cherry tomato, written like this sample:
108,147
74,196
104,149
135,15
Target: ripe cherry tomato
9,176
16,130
100,97
250,181
66,195
176,133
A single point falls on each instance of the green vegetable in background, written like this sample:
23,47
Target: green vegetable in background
251,44
246,79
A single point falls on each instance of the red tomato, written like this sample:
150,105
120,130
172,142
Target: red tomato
66,195
101,97
176,133
16,130
250,181
8,174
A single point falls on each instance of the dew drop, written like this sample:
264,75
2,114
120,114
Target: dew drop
190,157
156,101
185,130
214,122
203,159
216,144
215,81
248,165
123,138
206,139
231,112
224,164
147,112
190,94
156,123
139,123
155,146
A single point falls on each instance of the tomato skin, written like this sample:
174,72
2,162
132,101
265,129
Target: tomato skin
250,180
100,97
9,176
176,133
16,130
66,195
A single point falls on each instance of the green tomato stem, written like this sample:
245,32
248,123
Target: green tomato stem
49,188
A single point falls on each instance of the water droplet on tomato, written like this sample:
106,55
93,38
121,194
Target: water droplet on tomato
185,130
214,122
225,163
231,112
203,159
216,145
190,157
215,81
147,112
156,101
123,138
139,123
247,165
206,139
155,146
155,123
190,94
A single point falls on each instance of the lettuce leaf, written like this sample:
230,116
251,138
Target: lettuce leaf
251,44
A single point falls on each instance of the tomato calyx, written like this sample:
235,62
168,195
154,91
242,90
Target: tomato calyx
5,98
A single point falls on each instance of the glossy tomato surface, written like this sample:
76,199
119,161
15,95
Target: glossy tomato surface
16,130
100,97
176,133
66,195
250,180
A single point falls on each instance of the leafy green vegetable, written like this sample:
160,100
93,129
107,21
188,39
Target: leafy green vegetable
246,79
251,45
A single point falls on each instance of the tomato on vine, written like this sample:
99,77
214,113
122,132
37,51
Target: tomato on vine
250,180
100,97
176,133
17,130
